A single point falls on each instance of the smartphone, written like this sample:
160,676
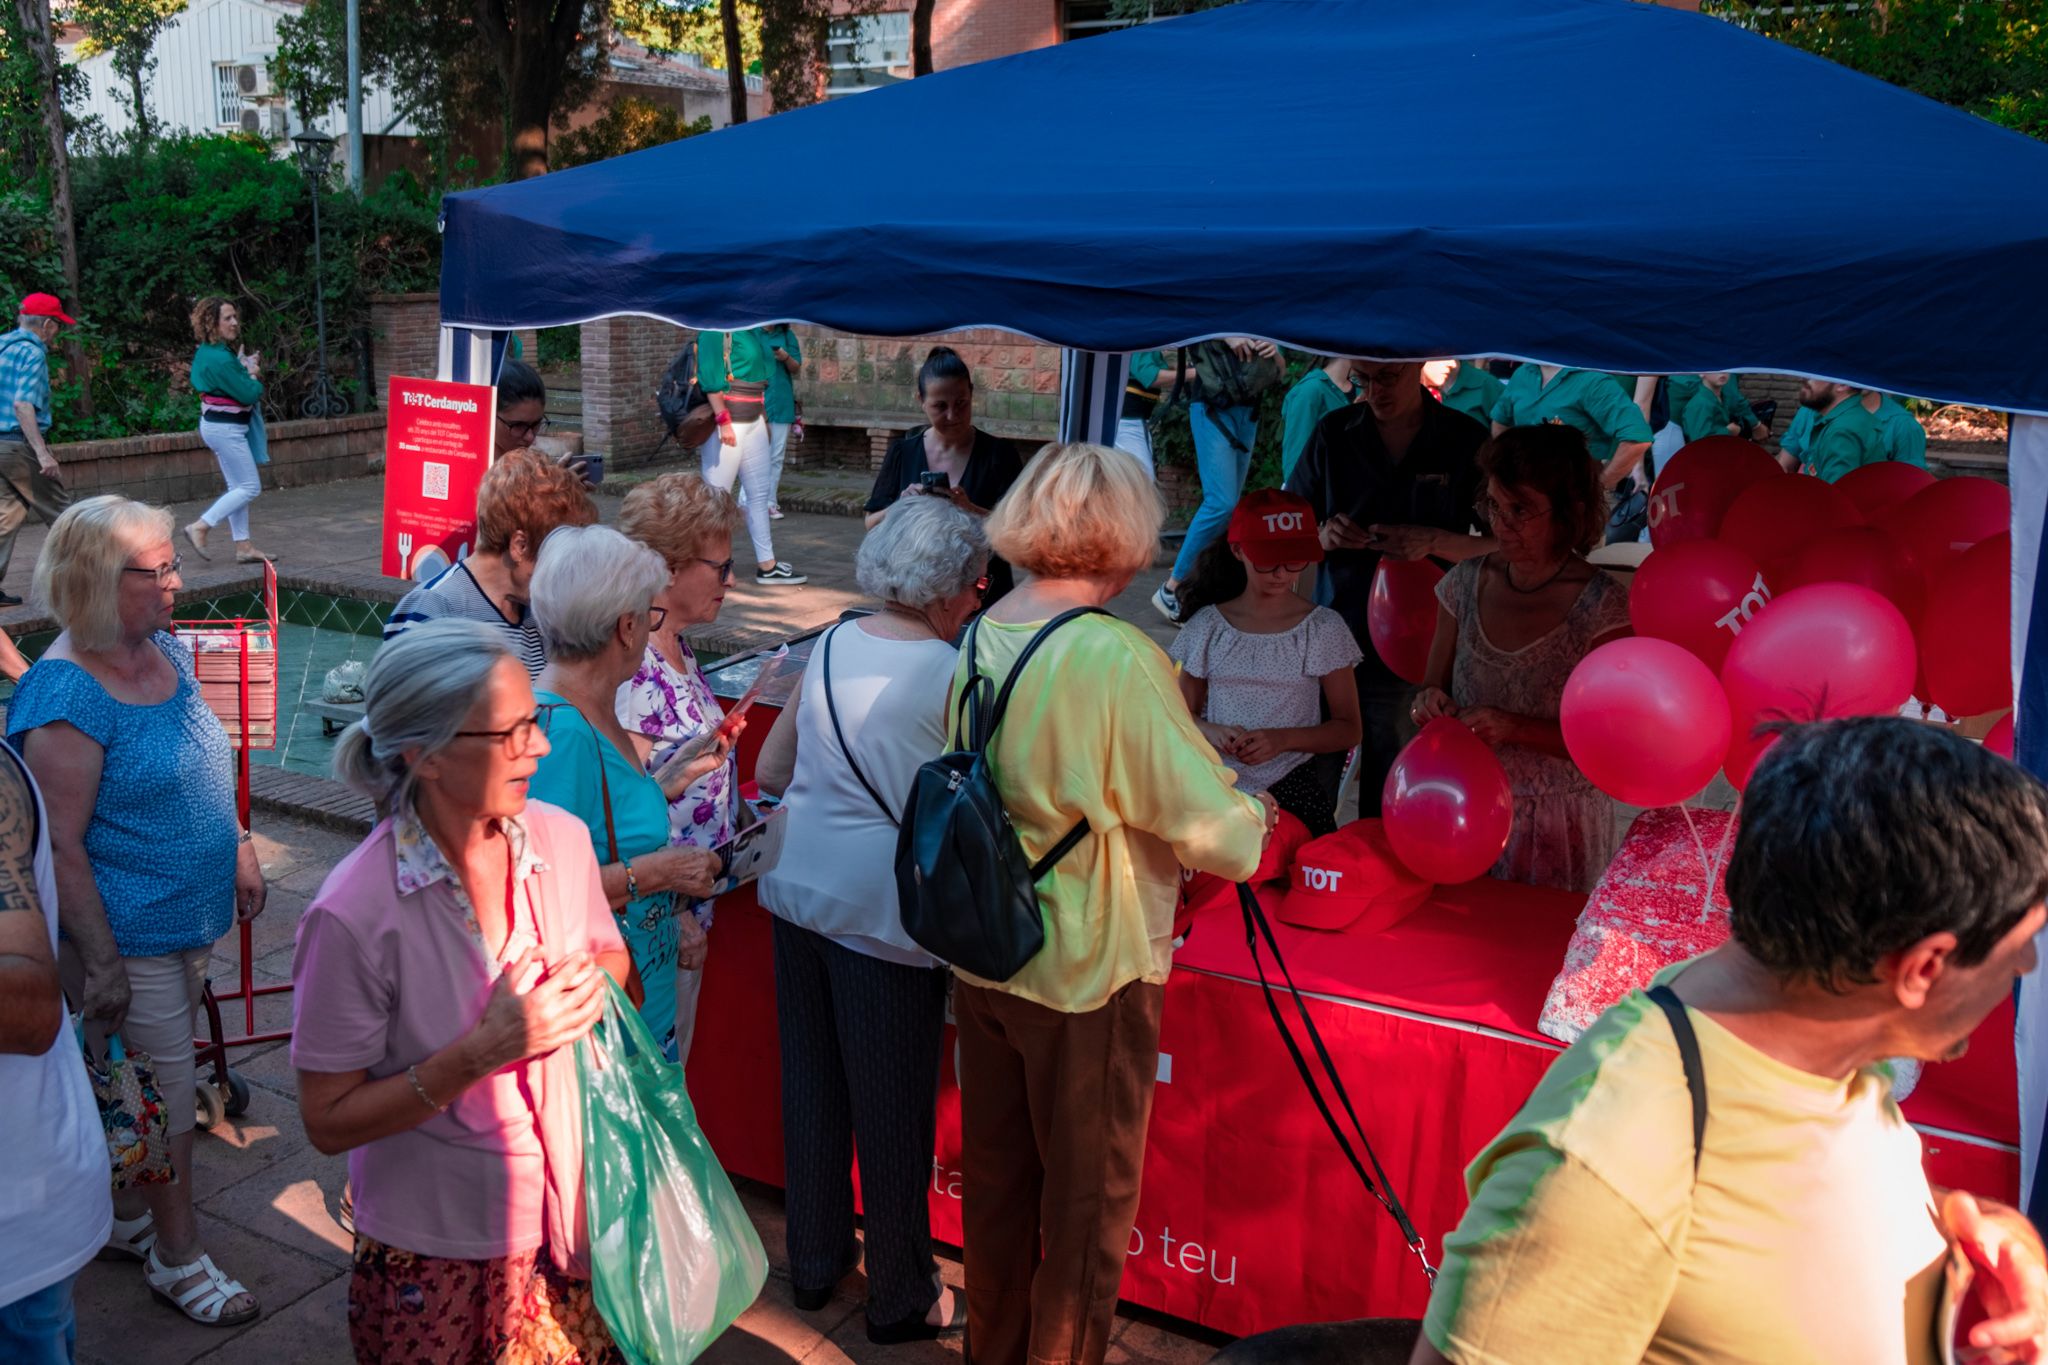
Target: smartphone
934,481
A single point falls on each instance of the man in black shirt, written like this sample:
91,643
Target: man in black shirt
1393,475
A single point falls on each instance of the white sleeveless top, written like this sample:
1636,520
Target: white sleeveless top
56,1208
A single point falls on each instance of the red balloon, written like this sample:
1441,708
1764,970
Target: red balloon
1832,649
1966,630
1774,520
1695,487
1939,523
1446,807
1999,741
1697,594
1400,614
1875,487
1865,555
1645,720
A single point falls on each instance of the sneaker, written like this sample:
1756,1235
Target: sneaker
774,513
8,599
782,575
1167,603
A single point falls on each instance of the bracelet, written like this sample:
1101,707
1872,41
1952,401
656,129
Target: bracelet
632,884
247,836
725,419
412,1073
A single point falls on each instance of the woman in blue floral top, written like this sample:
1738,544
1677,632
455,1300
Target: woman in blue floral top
690,525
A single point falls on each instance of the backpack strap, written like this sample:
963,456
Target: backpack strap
1002,704
832,709
1689,1056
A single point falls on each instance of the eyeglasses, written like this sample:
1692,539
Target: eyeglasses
723,566
531,429
517,738
1495,513
163,573
1281,568
655,616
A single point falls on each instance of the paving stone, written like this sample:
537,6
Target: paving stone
313,1331
294,1203
258,1144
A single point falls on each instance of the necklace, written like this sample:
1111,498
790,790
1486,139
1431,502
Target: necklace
1508,573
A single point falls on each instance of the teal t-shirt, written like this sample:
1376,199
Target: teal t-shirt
1314,396
1845,437
1590,400
1473,390
569,777
1799,434
780,404
1905,440
725,356
1705,413
215,370
1683,386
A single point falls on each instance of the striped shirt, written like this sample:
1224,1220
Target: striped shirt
24,378
454,593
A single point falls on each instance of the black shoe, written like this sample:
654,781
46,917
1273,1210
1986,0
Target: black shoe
8,599
811,1300
918,1327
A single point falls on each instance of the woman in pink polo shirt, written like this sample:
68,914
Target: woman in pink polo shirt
442,975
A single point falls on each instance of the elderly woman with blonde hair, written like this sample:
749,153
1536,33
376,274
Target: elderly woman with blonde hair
594,596
1057,1063
667,705
132,763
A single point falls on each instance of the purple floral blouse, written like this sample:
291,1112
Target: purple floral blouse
675,706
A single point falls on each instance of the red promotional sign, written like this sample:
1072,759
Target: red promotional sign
436,449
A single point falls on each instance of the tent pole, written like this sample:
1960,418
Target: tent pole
1092,394
2027,471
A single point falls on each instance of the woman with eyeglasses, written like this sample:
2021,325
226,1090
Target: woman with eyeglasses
594,598
442,976
1260,664
667,706
860,1006
133,765
1511,626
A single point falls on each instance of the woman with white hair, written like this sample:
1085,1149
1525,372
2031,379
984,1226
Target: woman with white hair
593,598
132,763
443,974
859,1004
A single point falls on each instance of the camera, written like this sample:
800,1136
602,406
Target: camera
934,481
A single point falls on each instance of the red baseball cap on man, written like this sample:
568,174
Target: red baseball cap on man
45,306
1274,527
1351,880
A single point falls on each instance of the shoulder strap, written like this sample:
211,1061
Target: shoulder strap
832,710
995,717
1689,1056
604,786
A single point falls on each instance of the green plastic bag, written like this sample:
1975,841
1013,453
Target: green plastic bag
674,1259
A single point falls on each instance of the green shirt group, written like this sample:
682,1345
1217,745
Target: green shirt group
1589,400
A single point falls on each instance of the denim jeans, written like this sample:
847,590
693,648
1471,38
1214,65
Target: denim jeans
1222,465
40,1329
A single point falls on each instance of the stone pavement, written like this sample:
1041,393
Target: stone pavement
267,1205
267,1199
327,536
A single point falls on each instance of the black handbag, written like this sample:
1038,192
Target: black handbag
967,893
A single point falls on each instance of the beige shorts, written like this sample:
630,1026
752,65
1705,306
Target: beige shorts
163,1004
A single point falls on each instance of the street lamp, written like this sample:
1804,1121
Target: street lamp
316,153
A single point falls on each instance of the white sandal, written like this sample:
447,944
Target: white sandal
132,1238
203,1302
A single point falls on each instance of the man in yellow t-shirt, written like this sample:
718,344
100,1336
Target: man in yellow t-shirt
1885,890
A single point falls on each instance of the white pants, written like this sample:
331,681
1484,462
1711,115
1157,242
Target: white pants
747,462
1133,437
689,985
229,442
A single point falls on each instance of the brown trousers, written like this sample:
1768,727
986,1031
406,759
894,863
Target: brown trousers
1053,1111
24,488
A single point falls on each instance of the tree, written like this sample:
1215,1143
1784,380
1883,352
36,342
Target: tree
629,124
921,39
126,31
735,72
33,17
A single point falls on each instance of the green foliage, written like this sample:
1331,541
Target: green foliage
630,123
690,27
425,53
1989,57
558,346
188,216
23,146
126,30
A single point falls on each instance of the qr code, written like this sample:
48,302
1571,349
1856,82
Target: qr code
434,481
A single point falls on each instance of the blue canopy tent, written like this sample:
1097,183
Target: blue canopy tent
1544,179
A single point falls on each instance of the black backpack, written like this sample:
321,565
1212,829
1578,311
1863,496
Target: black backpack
679,393
968,894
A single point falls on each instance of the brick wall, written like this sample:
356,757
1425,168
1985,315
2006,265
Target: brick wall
177,467
623,362
966,31
405,337
871,382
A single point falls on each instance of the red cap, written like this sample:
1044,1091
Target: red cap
1200,890
1275,527
45,306
1352,880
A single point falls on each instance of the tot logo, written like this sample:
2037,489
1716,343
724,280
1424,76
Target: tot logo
1664,504
1752,602
1320,878
1278,522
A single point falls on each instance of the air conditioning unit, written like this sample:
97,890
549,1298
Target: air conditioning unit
252,81
264,120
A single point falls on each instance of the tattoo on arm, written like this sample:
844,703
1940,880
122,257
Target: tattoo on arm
17,842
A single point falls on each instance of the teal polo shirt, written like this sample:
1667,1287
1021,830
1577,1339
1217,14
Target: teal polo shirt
1472,391
1905,440
779,404
1590,400
1845,437
1798,435
1705,413
1314,396
1681,389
